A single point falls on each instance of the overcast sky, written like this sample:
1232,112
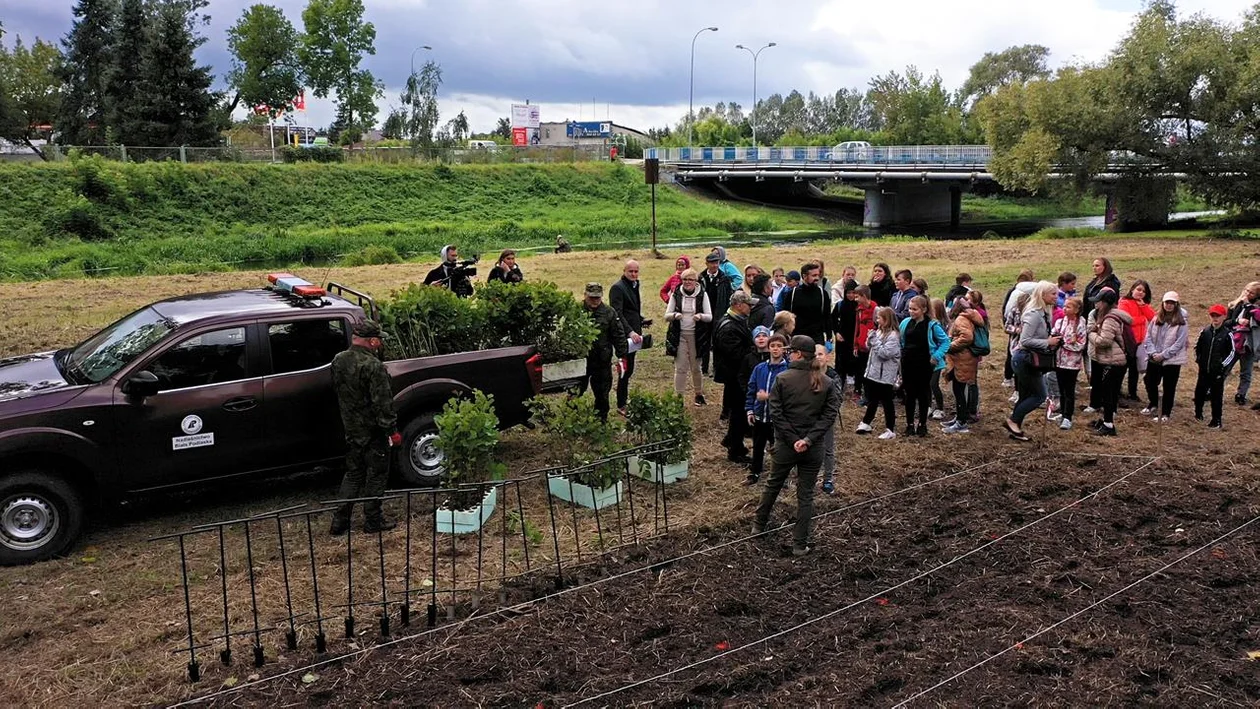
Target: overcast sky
629,60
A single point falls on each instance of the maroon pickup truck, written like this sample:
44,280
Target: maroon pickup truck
210,389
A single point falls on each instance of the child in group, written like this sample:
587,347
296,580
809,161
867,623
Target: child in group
793,280
1165,349
1069,359
962,284
981,319
838,288
923,347
784,324
864,322
1214,353
937,412
823,360
1013,325
682,264
1067,289
756,403
921,285
884,346
1138,305
962,364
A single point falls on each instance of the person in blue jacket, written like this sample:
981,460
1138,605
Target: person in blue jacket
756,403
923,347
731,270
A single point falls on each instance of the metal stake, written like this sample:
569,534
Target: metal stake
194,670
225,655
290,638
253,598
555,536
321,641
520,512
380,550
349,622
406,604
433,569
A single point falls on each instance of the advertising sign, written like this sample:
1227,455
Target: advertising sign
588,129
520,136
524,116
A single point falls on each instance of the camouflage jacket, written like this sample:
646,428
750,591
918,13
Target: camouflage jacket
611,338
364,395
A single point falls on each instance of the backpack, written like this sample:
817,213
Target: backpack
1126,334
980,344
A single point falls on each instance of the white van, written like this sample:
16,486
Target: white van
483,145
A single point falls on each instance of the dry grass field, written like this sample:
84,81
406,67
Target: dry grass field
100,627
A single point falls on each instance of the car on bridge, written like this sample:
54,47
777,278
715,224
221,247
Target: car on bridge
851,151
212,390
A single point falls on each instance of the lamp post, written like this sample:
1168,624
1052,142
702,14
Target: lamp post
413,56
753,115
692,90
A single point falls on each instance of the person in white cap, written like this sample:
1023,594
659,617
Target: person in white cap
1166,348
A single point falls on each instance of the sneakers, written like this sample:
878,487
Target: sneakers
751,480
757,527
865,427
952,422
1013,398
829,487
1008,383
1214,423
1105,430
798,550
956,427
1240,400
700,400
921,431
1065,425
739,458
910,429
338,527
1089,410
1052,412
887,435
938,415
1148,411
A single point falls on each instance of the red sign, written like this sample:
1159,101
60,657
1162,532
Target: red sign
299,101
520,136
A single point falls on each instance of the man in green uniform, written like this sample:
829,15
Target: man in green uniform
367,415
611,340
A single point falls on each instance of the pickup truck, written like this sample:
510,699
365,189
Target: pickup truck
211,389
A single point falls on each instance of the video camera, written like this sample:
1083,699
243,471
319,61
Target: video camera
466,268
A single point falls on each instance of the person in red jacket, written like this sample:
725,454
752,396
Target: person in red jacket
1138,305
682,264
863,324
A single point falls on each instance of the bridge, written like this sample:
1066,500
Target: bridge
904,184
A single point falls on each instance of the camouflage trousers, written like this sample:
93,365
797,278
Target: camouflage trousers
367,468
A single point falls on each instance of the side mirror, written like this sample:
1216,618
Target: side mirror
141,385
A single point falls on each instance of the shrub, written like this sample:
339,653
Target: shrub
371,256
539,314
468,434
426,320
1072,232
576,436
656,418
76,215
322,153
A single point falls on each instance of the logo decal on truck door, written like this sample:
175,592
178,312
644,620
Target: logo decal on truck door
191,424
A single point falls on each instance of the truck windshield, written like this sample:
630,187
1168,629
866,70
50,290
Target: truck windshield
114,347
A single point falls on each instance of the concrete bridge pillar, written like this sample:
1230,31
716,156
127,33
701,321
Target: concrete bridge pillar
898,203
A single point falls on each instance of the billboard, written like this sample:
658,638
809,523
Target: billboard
524,116
520,136
588,129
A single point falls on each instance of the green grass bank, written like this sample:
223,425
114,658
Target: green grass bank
94,217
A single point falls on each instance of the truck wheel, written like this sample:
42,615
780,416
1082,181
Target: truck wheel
419,459
41,515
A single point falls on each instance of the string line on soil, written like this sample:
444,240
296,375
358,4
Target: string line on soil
861,601
525,604
1081,612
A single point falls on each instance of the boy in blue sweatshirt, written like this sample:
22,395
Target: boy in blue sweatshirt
756,404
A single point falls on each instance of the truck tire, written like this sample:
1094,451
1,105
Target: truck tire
419,461
41,515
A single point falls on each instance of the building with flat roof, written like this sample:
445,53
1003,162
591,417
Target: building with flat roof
588,133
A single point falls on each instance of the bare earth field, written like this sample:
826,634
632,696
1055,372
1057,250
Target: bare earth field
903,592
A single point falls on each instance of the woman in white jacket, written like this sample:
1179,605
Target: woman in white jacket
687,313
1166,348
884,344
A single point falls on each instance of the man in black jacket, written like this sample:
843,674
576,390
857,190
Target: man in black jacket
732,342
763,309
625,301
811,304
803,407
610,342
449,274
716,285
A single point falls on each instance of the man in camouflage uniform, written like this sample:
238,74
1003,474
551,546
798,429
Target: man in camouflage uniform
367,415
610,341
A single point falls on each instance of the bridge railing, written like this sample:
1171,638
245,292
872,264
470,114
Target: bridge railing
889,155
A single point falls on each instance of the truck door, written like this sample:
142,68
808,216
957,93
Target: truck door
302,420
206,419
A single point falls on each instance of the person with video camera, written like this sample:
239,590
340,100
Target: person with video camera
452,273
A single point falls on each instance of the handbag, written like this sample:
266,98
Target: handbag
1041,361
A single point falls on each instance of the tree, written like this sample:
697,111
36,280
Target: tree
459,126
333,45
265,68
30,91
122,78
394,126
420,102
916,110
1013,65
175,104
503,128
81,118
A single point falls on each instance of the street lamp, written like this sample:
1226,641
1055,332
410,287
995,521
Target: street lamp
753,116
413,56
692,91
